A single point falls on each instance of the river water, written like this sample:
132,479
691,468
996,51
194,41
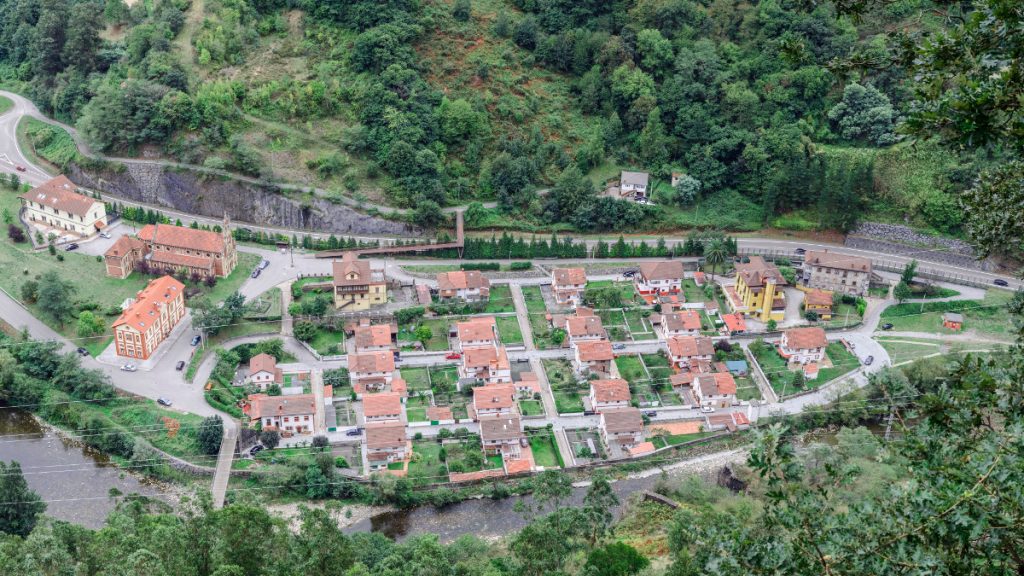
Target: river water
74,480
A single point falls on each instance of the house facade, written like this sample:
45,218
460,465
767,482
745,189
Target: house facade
385,407
150,319
803,345
288,414
716,390
819,302
356,285
465,285
664,277
584,326
372,338
502,434
568,286
682,323
175,248
759,290
371,371
837,272
386,442
487,363
593,356
494,399
685,350
262,370
476,332
623,427
633,184
57,206
609,394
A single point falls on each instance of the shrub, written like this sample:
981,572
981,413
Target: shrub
521,266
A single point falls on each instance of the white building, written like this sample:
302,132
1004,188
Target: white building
58,206
609,394
803,345
665,277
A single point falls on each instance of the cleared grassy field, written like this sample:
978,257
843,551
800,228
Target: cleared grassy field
508,330
984,317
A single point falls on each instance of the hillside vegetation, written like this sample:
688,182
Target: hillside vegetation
423,102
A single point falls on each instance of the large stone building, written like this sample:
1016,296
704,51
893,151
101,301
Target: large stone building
837,272
56,206
172,248
356,285
150,319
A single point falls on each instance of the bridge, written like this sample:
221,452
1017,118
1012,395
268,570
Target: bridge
459,243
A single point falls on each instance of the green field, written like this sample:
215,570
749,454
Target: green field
426,466
534,299
44,144
328,343
780,377
438,332
631,369
508,330
416,378
545,453
5,104
500,299
673,440
626,289
986,317
531,408
567,392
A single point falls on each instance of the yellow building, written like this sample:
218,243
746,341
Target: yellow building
356,285
759,290
820,302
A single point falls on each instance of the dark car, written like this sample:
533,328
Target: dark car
19,168
1000,282
180,365
163,401
887,326
800,251
70,247
354,432
650,413
256,273
255,449
196,340
629,273
869,360
82,351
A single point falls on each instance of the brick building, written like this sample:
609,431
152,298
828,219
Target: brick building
150,319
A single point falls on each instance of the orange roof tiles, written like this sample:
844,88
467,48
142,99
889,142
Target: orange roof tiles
805,338
181,237
375,335
486,356
586,325
262,363
595,350
385,435
386,404
664,270
124,245
263,406
719,383
622,420
735,322
818,298
500,427
461,280
377,361
60,194
568,276
477,329
141,314
757,272
837,261
350,271
684,320
687,346
494,396
611,390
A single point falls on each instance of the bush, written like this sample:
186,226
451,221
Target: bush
481,266
521,266
270,439
209,435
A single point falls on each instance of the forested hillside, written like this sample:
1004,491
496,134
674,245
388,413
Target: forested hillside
769,108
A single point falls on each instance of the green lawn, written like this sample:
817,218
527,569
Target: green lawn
781,378
267,304
531,408
155,424
904,350
843,315
396,465
96,345
627,289
655,361
630,368
541,329
662,441
545,453
500,300
416,378
444,375
692,292
987,317
567,392
508,329
843,361
324,340
534,299
416,414
5,104
240,329
438,332
747,389
426,467
227,286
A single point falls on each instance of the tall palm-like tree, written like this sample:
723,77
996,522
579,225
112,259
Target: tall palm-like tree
715,253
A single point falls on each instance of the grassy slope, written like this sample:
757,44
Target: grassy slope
5,104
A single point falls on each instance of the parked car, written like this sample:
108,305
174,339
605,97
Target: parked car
163,401
264,264
650,413
800,251
353,432
70,247
19,168
129,367
869,360
196,340
105,235
180,365
887,326
629,273
255,449
453,356
707,409
618,346
1000,282
256,273
82,351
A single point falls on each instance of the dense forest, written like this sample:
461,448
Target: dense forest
768,108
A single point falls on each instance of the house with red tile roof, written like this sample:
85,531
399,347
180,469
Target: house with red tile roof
594,356
502,434
836,272
465,285
803,345
371,371
493,399
735,323
609,394
487,363
262,370
383,407
819,302
148,321
684,350
568,285
357,286
682,323
715,390
372,337
386,442
665,277
621,427
57,205
479,331
528,385
288,414
584,327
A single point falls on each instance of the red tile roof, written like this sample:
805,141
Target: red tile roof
181,237
124,245
595,350
385,435
664,270
568,276
376,335
735,322
476,329
262,362
141,314
805,338
486,356
611,390
838,261
377,361
687,346
757,272
577,326
180,260
682,320
60,193
622,420
263,406
494,396
500,427
818,298
716,384
349,271
384,404
461,280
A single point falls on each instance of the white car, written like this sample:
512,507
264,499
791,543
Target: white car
707,409
105,235
129,367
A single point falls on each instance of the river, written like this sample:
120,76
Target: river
74,480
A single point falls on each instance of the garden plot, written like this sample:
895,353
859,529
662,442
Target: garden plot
586,445
566,389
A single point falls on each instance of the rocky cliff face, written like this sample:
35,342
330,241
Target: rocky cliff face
210,195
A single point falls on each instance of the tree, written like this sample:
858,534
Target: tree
799,380
811,316
424,333
54,296
715,254
655,50
461,10
21,507
909,271
270,438
210,434
902,292
865,114
320,443
30,291
305,330
428,214
687,190
599,504
570,192
88,324
615,559
15,233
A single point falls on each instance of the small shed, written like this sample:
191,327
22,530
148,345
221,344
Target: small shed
953,321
